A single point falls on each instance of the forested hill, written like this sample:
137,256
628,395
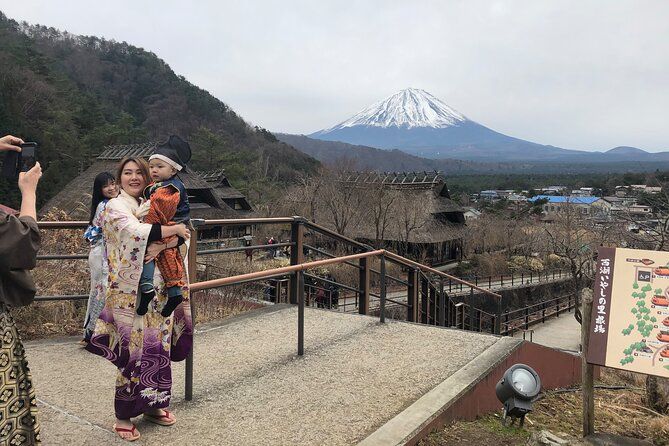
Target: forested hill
76,94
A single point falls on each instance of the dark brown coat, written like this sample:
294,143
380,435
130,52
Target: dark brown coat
19,243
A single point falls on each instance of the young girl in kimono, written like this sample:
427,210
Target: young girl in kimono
104,188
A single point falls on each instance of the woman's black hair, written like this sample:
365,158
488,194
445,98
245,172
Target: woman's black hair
101,180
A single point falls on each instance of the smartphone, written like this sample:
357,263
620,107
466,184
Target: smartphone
28,158
10,165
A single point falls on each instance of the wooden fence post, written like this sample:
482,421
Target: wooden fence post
587,378
382,303
412,294
192,277
442,304
296,254
363,286
424,303
299,279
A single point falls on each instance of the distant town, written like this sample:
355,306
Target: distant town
634,205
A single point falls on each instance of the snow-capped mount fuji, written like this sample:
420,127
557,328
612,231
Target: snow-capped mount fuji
409,108
416,122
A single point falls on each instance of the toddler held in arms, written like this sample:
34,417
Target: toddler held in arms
168,205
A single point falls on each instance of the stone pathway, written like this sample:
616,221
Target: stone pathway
250,387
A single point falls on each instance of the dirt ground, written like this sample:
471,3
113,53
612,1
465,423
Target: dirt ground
621,412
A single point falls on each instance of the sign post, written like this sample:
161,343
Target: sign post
587,372
627,327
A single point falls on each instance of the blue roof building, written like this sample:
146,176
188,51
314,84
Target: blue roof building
559,199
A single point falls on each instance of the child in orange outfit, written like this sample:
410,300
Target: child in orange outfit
168,205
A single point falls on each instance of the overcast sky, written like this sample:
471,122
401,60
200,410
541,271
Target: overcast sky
587,75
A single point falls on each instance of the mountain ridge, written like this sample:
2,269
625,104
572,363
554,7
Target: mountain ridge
383,126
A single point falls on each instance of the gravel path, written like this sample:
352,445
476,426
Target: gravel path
251,389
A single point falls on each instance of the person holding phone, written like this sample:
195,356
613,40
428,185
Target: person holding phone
19,243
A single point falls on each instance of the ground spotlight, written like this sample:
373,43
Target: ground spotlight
516,390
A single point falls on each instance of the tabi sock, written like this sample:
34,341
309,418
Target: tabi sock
144,299
171,304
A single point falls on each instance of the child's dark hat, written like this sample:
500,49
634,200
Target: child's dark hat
175,152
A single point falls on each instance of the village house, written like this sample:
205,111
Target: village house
553,190
622,191
207,201
471,214
438,236
589,207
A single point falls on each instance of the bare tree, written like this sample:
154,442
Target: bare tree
411,212
380,203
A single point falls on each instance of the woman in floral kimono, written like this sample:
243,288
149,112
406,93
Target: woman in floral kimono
19,242
104,188
140,346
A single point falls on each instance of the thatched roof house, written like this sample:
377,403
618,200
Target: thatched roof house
205,201
423,199
225,192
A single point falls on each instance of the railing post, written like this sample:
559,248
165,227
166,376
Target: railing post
442,304
433,305
424,309
522,278
530,276
497,328
543,312
383,289
511,279
412,288
501,281
299,279
363,286
471,309
489,282
527,318
192,277
296,254
557,308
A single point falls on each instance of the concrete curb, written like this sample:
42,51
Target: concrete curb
411,421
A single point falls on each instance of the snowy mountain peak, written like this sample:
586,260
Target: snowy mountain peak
408,108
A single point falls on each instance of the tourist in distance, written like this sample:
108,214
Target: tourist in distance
141,347
104,188
19,243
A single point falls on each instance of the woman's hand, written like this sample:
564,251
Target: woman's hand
153,250
28,180
9,142
183,231
28,186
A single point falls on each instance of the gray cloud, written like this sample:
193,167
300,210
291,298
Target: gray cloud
585,75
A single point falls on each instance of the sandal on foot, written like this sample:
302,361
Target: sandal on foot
134,435
163,420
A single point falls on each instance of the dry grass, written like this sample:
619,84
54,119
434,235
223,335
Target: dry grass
621,412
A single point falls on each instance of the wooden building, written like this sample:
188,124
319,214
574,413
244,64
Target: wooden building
423,198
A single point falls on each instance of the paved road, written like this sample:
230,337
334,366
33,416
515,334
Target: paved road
250,388
562,332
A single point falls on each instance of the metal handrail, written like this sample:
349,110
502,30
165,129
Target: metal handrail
538,304
333,234
407,262
234,280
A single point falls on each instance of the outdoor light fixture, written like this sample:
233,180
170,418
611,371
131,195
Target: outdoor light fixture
516,390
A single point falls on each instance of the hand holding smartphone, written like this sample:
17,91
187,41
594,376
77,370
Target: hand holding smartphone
16,162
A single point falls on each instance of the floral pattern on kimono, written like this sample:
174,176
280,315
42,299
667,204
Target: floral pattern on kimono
99,268
140,346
